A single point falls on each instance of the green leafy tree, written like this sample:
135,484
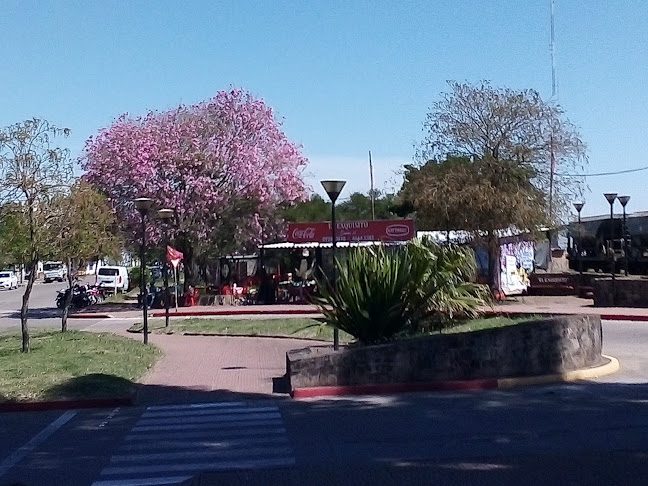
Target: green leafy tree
33,171
14,239
480,196
84,229
356,207
517,128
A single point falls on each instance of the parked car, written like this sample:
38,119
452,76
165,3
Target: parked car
54,271
113,278
8,280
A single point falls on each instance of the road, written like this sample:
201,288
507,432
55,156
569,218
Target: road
42,307
593,432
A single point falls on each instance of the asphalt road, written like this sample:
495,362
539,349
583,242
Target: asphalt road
593,432
42,307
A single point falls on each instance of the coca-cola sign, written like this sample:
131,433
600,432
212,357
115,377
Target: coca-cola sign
304,234
352,231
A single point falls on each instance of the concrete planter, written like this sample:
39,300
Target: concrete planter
541,347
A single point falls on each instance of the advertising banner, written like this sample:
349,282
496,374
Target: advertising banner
352,231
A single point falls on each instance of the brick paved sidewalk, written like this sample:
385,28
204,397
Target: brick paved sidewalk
201,368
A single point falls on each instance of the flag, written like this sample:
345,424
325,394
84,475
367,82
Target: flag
174,256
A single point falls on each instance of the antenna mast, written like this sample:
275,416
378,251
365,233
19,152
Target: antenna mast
552,170
372,193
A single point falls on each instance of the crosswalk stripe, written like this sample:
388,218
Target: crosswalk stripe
197,455
203,466
207,443
227,424
207,419
200,412
197,434
143,481
196,405
169,444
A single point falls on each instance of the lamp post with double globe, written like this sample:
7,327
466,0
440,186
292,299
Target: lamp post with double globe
333,189
611,197
143,205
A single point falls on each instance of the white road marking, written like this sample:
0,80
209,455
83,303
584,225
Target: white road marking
143,481
221,425
171,440
202,454
208,419
195,406
207,443
204,466
199,434
193,413
19,454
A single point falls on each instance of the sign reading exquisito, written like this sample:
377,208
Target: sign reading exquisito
352,231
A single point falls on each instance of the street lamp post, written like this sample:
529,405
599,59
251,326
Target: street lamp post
333,189
611,196
165,215
624,200
579,206
143,205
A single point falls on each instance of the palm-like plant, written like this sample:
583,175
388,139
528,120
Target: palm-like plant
382,292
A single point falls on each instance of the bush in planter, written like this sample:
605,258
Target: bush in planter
384,292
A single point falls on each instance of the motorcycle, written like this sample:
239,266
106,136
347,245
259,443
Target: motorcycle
82,296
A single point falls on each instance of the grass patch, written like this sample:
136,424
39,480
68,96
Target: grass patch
293,328
487,323
71,365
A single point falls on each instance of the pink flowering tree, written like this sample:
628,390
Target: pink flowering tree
222,165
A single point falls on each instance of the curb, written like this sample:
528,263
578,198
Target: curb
65,404
90,316
612,366
239,313
604,317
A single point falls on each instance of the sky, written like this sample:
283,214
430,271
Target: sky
345,77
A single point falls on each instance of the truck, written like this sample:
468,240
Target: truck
54,271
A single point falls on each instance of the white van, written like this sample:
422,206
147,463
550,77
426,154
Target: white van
54,271
113,278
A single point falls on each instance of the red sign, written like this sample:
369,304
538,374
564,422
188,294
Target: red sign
174,256
354,231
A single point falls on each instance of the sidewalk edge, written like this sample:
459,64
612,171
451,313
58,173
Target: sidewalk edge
65,404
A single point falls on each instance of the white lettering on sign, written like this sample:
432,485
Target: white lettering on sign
397,230
303,234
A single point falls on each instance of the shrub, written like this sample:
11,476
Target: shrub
383,292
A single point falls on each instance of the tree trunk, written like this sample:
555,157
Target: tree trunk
24,310
68,297
493,261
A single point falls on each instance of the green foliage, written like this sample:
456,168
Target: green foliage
357,207
134,275
384,292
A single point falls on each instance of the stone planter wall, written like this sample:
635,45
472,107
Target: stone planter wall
626,292
545,346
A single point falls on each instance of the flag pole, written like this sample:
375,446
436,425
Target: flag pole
175,286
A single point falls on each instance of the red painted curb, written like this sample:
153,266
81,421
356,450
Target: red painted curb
237,313
392,388
622,317
65,404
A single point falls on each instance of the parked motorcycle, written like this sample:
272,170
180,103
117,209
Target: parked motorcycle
82,296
